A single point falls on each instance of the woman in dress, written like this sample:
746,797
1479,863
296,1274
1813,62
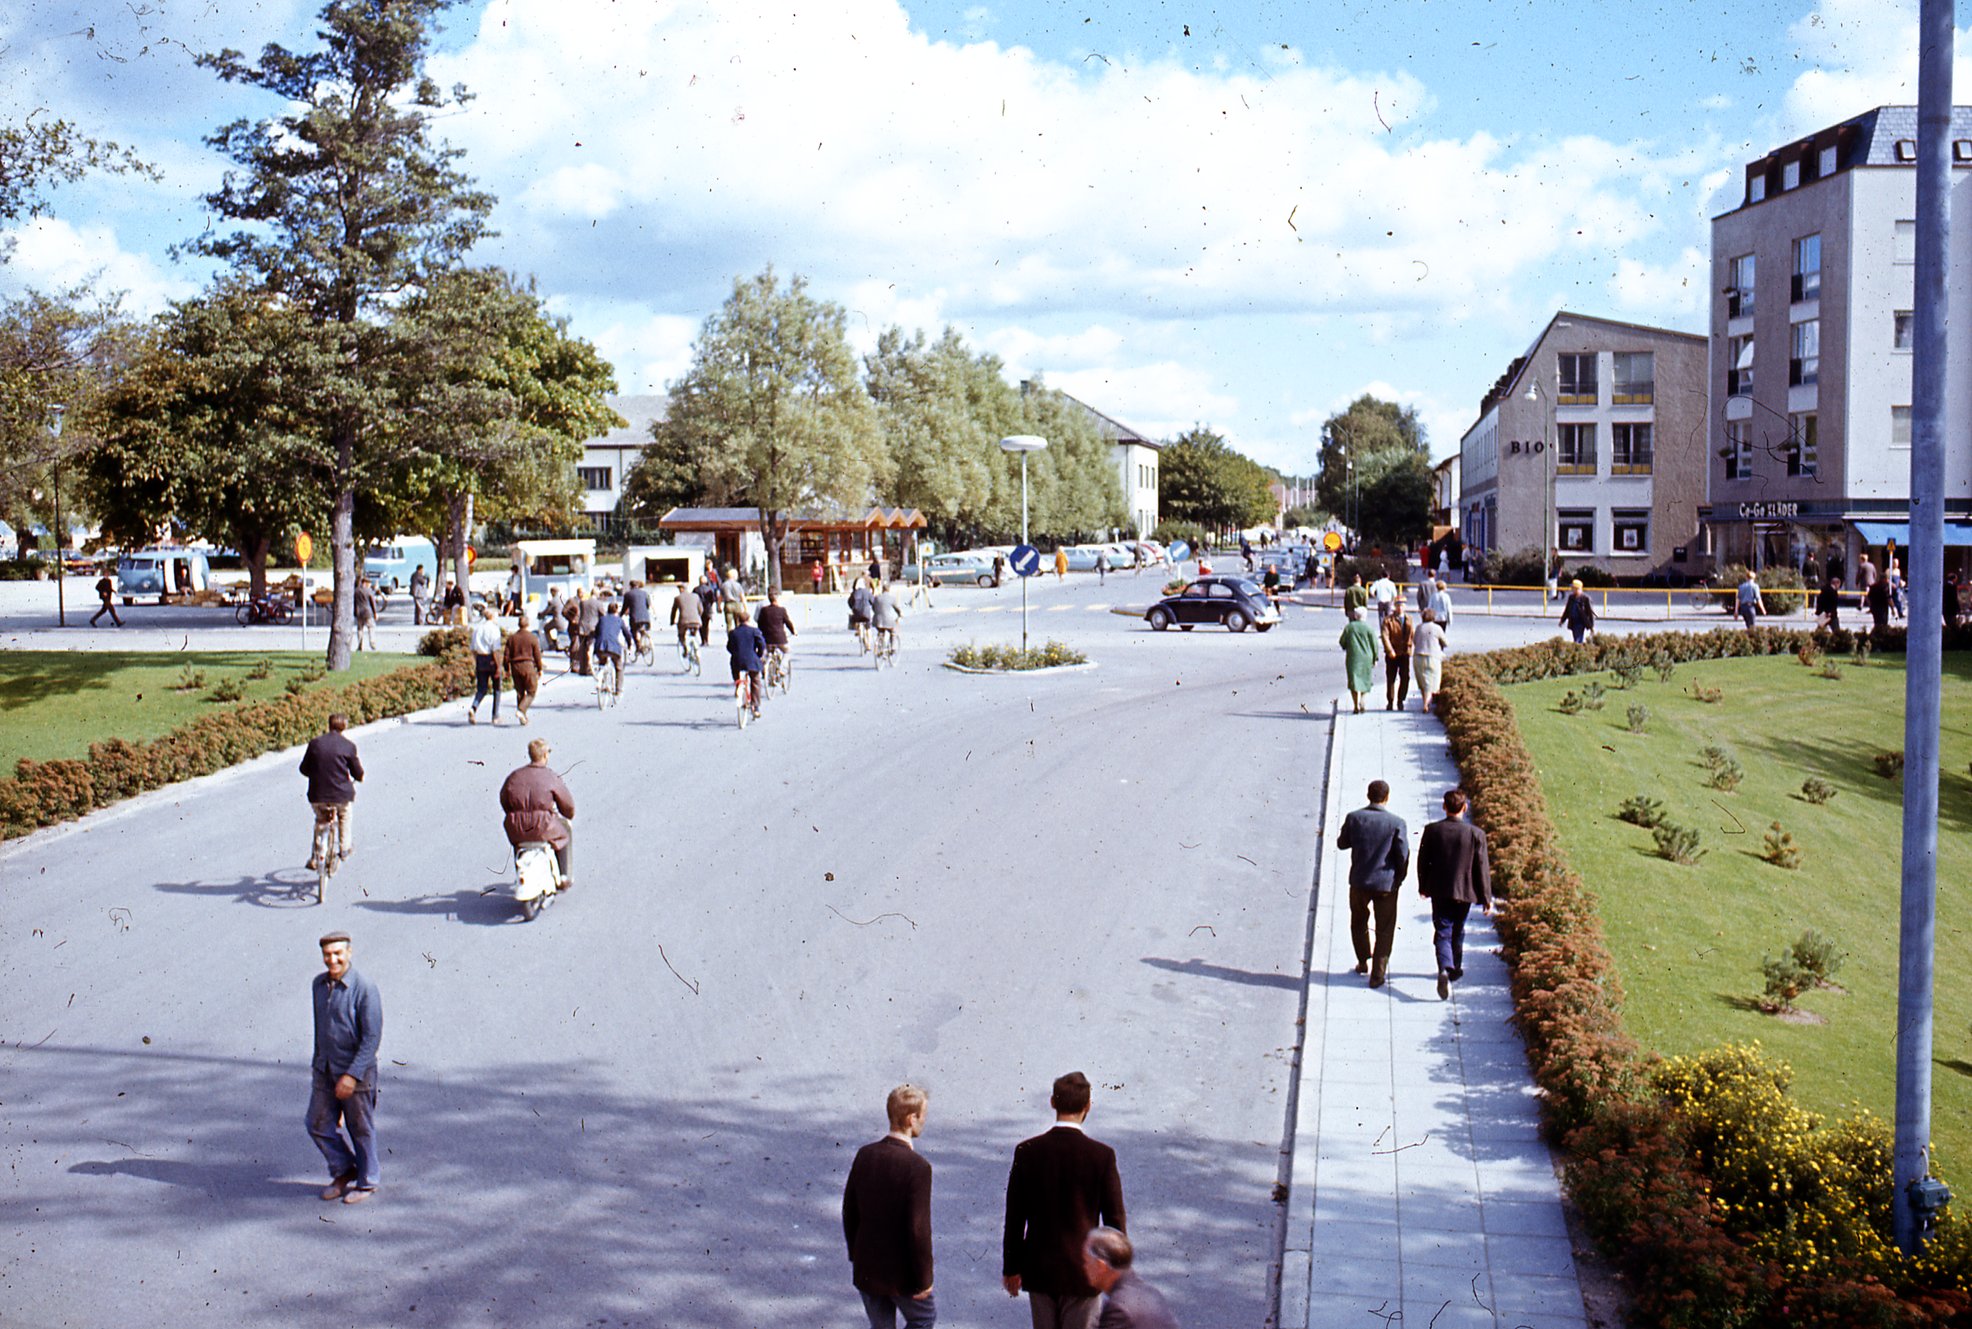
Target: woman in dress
1358,643
1427,659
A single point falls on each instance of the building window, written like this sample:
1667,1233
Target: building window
1577,450
1828,160
1756,186
1739,287
1900,426
1575,530
593,477
1804,359
1803,450
1631,378
1904,335
1790,175
1739,371
1630,528
1630,449
1906,242
1577,379
1738,451
1806,284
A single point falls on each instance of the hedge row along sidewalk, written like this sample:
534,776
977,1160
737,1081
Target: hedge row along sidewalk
1690,1175
43,793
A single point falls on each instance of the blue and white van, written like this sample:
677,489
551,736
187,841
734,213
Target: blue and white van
163,573
390,564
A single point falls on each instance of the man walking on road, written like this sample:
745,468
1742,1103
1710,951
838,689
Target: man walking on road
886,1219
1749,603
348,1029
1454,873
1127,1301
333,770
106,589
1061,1187
523,660
1379,859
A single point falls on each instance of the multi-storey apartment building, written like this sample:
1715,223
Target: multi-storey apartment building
1809,436
1592,442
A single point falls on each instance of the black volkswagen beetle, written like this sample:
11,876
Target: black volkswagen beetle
1237,602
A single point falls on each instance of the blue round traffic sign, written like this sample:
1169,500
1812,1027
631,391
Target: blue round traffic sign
1026,560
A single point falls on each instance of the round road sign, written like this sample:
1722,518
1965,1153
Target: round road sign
1025,561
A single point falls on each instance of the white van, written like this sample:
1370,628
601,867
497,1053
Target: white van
389,564
162,572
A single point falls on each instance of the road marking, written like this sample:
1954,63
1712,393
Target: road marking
1059,609
988,609
1097,608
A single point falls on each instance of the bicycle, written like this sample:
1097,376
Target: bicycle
863,635
688,652
270,608
1702,596
328,851
780,669
606,684
641,648
886,647
747,698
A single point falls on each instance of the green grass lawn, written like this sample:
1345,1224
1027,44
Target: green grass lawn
1689,940
56,703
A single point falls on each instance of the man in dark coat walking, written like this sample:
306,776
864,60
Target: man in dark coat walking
1379,859
886,1219
1061,1187
1454,874
1127,1301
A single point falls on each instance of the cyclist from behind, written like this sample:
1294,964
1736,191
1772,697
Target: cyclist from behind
861,599
636,612
748,649
775,624
612,635
886,614
333,770
688,612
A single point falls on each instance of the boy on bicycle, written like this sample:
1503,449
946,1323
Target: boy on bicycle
611,636
688,612
775,624
886,614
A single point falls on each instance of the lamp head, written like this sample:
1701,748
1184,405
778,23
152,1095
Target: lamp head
1533,392
55,414
1023,443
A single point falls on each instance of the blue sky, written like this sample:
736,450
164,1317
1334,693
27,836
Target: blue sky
1242,216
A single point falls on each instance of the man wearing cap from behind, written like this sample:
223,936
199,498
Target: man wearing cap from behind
348,1030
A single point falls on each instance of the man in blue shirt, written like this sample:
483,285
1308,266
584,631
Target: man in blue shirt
611,635
348,1028
748,648
1379,859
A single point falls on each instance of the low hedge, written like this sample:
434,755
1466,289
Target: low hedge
42,793
1722,1204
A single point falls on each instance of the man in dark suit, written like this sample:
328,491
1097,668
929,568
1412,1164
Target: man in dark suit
1454,874
886,1219
1062,1185
1127,1301
1379,858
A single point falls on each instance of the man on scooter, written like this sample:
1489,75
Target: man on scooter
531,798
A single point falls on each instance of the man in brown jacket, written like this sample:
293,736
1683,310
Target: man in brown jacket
1454,874
1397,641
532,797
522,654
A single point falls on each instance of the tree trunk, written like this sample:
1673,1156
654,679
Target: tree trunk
342,543
257,548
459,508
773,533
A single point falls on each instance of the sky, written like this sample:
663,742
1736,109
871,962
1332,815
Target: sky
1242,217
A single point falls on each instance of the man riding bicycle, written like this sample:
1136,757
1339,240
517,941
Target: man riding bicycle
860,600
747,647
775,625
612,635
886,614
333,769
688,612
531,797
636,612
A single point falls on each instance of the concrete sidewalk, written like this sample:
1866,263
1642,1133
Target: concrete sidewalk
1420,1185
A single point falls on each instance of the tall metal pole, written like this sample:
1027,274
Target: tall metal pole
1914,1202
1023,540
55,414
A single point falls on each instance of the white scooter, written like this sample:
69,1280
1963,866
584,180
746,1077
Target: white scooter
537,878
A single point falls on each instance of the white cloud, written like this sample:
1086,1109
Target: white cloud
649,350
1674,292
1157,400
1859,54
49,254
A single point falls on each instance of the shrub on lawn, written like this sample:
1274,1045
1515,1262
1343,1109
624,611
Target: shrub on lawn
1050,655
44,793
1594,695
227,689
1642,810
1830,671
1710,696
261,669
1809,654
1779,848
1664,665
1570,703
1890,765
189,680
1628,673
1638,717
1681,844
1817,790
1817,954
1727,778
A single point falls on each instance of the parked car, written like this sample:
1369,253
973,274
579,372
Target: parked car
1081,558
1234,601
942,568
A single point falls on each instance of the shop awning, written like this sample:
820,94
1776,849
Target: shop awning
1958,534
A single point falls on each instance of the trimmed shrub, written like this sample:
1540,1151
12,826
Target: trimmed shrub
1642,810
1779,848
1817,790
1664,665
189,680
1786,980
1889,765
1638,717
1727,778
1570,703
1628,674
1829,671
1710,696
1817,954
1049,655
1680,844
1594,695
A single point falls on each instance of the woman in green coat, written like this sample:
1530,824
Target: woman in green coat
1359,654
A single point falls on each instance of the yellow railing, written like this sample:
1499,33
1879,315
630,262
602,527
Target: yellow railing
1630,601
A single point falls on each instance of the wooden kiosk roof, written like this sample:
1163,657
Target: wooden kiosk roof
746,519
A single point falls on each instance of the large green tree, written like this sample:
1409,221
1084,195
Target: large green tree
346,203
492,401
1076,490
1367,427
774,401
214,426
41,151
65,349
674,470
1202,479
943,411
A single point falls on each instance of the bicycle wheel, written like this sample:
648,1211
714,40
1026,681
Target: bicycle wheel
602,684
740,703
243,614
325,862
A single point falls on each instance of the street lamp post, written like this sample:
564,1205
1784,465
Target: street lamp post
55,414
1023,444
1535,392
